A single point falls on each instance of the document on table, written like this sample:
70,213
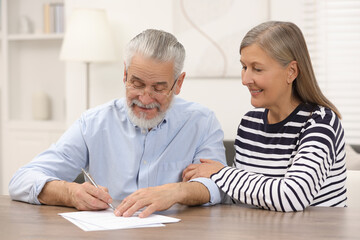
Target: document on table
106,220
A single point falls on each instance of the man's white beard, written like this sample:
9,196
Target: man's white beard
141,121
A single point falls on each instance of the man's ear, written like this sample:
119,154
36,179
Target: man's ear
293,71
125,73
179,83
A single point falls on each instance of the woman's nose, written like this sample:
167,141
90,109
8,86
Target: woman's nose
246,77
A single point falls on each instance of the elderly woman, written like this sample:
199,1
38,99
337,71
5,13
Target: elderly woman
290,150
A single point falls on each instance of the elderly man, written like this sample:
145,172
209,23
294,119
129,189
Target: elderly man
136,147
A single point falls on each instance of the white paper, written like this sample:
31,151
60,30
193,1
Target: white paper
106,220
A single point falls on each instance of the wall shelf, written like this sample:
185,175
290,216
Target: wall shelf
36,125
43,36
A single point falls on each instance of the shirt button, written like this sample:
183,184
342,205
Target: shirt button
145,162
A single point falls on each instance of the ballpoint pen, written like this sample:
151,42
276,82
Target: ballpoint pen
87,175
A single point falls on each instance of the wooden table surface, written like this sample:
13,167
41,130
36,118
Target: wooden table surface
25,221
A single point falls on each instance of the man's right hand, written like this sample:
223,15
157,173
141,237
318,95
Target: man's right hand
81,196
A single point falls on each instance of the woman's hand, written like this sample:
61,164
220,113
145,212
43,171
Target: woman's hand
205,169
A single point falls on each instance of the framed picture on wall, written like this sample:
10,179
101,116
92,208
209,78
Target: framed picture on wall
211,32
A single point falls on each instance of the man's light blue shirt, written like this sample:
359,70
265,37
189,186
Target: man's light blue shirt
122,157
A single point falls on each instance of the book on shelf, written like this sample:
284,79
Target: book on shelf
53,18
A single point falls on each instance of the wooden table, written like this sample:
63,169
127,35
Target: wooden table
25,221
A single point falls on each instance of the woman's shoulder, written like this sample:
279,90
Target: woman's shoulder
324,120
324,115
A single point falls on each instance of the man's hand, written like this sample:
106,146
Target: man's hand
81,196
153,198
163,197
87,197
205,169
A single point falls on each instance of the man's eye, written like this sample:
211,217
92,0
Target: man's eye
159,88
138,84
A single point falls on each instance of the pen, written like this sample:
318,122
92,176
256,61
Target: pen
87,175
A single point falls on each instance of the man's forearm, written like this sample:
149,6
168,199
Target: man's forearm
55,193
193,193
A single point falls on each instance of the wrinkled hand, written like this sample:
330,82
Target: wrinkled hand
87,197
205,169
153,198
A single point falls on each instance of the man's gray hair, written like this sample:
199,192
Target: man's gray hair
159,45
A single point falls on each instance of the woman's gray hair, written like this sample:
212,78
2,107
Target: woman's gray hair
159,45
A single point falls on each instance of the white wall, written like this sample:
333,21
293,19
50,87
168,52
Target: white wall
226,97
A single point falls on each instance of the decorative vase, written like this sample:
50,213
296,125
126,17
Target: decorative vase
41,106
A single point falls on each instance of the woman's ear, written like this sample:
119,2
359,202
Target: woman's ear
293,71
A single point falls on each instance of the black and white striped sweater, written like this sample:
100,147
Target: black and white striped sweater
289,165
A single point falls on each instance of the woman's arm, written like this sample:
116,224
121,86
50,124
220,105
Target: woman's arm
316,156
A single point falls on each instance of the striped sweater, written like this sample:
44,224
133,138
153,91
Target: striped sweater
289,165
